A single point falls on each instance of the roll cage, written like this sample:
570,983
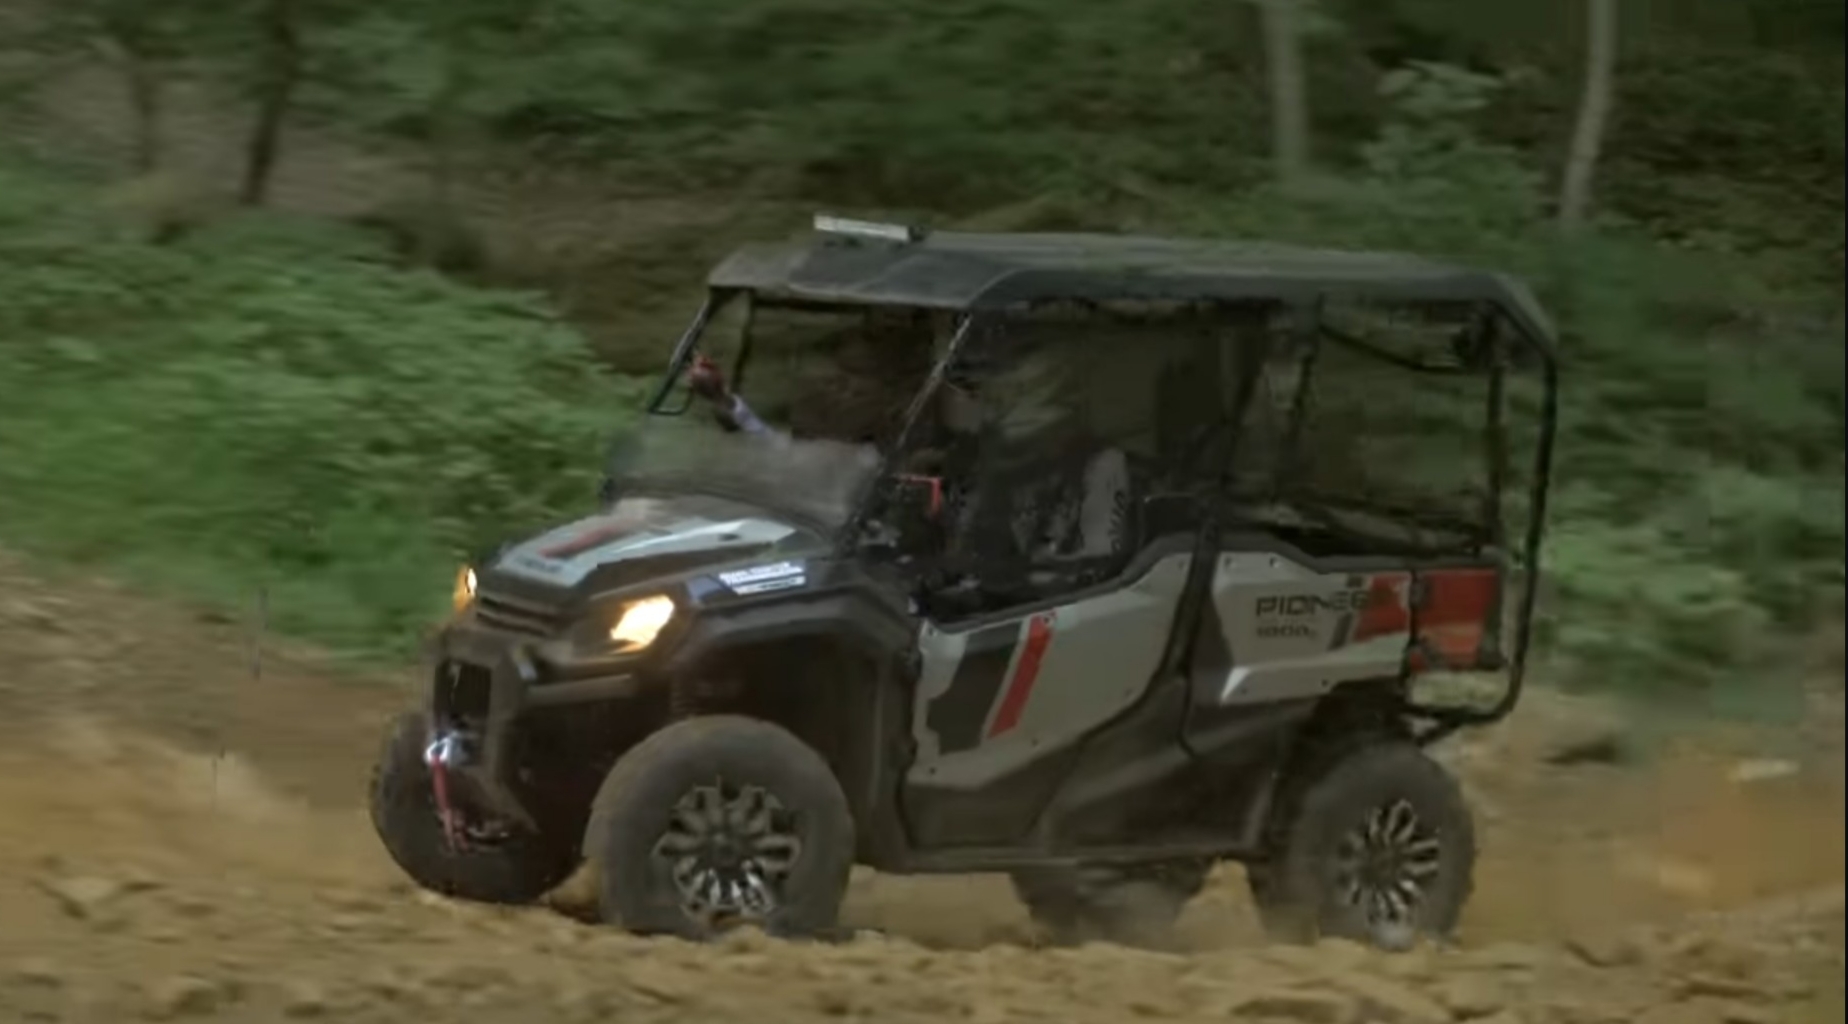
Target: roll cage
984,278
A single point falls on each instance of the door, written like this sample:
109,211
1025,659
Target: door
1063,439
1005,702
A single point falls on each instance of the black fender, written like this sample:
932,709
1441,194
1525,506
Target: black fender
850,616
868,723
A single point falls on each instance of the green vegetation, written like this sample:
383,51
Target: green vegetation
267,406
272,402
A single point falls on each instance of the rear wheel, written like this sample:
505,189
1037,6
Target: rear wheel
717,821
1378,847
1136,904
492,862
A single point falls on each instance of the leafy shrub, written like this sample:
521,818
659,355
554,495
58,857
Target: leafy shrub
268,404
1697,526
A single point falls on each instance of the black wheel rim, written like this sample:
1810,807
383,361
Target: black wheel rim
1384,868
729,851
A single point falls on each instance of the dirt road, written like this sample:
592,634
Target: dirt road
182,837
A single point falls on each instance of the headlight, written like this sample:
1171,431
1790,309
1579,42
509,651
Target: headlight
642,621
464,589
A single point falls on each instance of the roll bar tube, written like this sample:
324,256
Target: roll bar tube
1449,720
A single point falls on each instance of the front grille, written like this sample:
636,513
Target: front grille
511,615
462,692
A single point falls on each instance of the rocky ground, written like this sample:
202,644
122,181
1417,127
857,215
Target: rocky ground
181,837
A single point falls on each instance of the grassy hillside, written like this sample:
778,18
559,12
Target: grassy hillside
270,407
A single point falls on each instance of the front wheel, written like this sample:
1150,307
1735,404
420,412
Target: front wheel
721,820
493,864
1378,847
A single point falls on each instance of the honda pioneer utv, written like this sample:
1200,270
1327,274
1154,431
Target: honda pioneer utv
1090,560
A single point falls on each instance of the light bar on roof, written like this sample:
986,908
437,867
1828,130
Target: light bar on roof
851,228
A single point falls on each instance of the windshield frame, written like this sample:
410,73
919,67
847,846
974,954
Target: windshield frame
842,531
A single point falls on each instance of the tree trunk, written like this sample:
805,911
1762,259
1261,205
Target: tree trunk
144,94
142,86
1288,94
1594,112
282,43
438,216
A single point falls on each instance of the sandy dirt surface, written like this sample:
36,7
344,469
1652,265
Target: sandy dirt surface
182,836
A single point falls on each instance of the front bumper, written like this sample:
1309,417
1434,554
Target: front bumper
483,682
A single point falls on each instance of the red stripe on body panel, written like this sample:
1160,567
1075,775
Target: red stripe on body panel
1387,611
593,538
1026,673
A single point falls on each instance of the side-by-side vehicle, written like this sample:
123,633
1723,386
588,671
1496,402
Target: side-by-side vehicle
1091,560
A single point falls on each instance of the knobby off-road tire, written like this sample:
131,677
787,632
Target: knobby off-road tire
1388,791
516,869
643,792
1133,904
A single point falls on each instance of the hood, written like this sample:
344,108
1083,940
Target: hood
644,537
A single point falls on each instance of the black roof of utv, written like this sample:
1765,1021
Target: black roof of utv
963,271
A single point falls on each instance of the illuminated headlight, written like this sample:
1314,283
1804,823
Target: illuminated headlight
642,621
464,589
